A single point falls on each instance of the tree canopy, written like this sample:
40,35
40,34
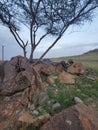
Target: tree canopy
53,16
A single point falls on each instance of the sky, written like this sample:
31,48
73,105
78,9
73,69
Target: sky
76,41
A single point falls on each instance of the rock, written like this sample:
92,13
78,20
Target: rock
67,78
65,65
19,84
44,118
77,100
42,69
38,67
35,113
12,77
59,68
91,78
27,118
56,67
76,68
47,61
32,107
77,117
47,67
78,90
70,61
56,107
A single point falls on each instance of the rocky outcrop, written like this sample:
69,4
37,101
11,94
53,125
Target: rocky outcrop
21,95
19,85
77,117
46,67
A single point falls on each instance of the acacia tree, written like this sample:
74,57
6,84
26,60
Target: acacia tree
54,16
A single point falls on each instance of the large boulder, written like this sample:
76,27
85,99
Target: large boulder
67,78
19,83
76,68
13,72
77,117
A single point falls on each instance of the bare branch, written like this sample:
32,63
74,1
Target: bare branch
41,38
16,37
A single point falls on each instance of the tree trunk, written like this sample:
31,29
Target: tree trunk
31,55
24,52
47,50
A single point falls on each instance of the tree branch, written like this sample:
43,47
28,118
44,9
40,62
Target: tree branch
41,38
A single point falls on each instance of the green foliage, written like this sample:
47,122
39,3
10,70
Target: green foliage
64,99
88,89
59,84
64,94
50,92
46,107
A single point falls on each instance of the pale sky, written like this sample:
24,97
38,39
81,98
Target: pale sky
76,40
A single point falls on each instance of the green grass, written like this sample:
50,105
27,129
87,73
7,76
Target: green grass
64,99
64,94
31,127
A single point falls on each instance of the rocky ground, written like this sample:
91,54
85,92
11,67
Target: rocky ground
48,95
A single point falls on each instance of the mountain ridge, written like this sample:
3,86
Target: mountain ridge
91,51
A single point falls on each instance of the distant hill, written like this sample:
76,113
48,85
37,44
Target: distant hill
88,59
92,51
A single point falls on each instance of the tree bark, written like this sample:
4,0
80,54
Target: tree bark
24,52
31,58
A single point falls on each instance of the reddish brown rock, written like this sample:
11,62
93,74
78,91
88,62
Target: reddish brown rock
77,117
59,68
11,70
65,77
51,68
19,86
76,68
42,69
38,67
27,118
47,69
